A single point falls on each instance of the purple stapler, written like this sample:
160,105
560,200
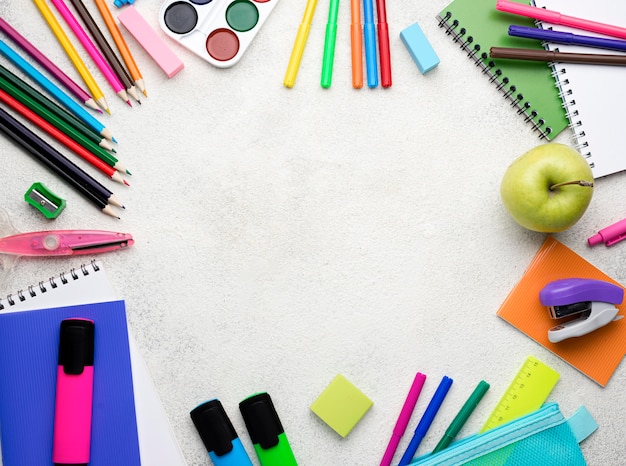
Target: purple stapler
592,300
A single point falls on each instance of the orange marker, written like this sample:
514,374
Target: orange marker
356,40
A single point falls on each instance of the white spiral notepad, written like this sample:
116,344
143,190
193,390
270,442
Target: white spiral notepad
591,93
89,283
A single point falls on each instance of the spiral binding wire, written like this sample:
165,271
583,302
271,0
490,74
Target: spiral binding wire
488,67
50,284
571,111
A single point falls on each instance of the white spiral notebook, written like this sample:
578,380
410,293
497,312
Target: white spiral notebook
89,284
591,93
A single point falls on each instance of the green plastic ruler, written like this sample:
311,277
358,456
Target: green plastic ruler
528,391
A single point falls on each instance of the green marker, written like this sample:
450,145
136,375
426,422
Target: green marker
461,418
266,431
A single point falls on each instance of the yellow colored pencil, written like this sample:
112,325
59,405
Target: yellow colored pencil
73,55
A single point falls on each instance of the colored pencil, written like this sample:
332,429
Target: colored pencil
92,50
356,43
105,48
121,45
8,78
384,49
49,65
73,55
48,156
53,89
62,137
299,44
62,125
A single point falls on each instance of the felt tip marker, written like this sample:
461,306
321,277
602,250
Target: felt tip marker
266,431
403,418
426,420
74,393
219,435
610,235
461,418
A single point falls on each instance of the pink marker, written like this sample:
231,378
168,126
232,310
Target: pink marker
609,235
555,17
403,419
90,47
74,393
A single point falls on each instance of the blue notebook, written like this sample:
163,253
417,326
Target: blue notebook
29,343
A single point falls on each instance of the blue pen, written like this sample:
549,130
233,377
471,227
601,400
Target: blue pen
426,420
566,38
53,89
369,31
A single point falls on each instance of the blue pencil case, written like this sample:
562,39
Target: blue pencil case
543,437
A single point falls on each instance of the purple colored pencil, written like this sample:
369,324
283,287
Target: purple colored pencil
53,69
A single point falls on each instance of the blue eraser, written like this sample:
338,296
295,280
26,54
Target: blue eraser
420,49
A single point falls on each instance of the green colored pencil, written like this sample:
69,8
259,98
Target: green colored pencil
62,125
10,77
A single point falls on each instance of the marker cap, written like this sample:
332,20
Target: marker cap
266,431
219,435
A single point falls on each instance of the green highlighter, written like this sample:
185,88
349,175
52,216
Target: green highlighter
266,431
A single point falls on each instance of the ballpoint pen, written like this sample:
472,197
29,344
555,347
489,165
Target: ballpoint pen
609,235
461,418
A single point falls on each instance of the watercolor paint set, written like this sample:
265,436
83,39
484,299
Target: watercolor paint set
219,31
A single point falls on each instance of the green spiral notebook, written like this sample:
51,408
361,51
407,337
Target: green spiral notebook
528,87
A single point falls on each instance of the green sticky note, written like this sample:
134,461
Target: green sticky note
341,405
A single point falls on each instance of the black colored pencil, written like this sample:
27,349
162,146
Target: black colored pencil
57,162
105,48
52,106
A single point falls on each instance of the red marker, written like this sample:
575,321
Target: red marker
74,393
383,44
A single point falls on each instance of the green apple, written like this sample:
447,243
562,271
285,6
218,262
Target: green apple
548,188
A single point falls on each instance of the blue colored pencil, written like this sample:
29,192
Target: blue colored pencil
55,91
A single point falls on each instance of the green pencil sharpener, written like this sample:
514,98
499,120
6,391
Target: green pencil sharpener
44,200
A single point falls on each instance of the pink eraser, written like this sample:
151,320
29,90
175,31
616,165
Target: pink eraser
151,41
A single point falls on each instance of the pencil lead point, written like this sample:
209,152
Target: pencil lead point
129,104
126,183
129,173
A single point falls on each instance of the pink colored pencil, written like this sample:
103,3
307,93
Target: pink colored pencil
93,51
51,67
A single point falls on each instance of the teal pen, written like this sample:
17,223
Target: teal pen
55,91
329,44
369,31
459,421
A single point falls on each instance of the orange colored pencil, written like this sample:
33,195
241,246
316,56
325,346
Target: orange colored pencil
356,41
62,137
121,45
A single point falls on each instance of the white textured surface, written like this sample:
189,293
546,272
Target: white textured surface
287,235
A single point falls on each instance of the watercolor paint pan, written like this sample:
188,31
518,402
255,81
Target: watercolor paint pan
219,31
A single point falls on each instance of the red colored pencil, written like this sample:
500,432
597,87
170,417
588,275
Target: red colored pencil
62,138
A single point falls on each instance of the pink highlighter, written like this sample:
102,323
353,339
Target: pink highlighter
74,393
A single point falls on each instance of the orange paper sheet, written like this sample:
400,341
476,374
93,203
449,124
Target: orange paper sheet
596,354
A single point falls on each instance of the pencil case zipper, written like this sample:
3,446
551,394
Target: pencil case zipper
477,445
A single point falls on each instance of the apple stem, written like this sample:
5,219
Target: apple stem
587,184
